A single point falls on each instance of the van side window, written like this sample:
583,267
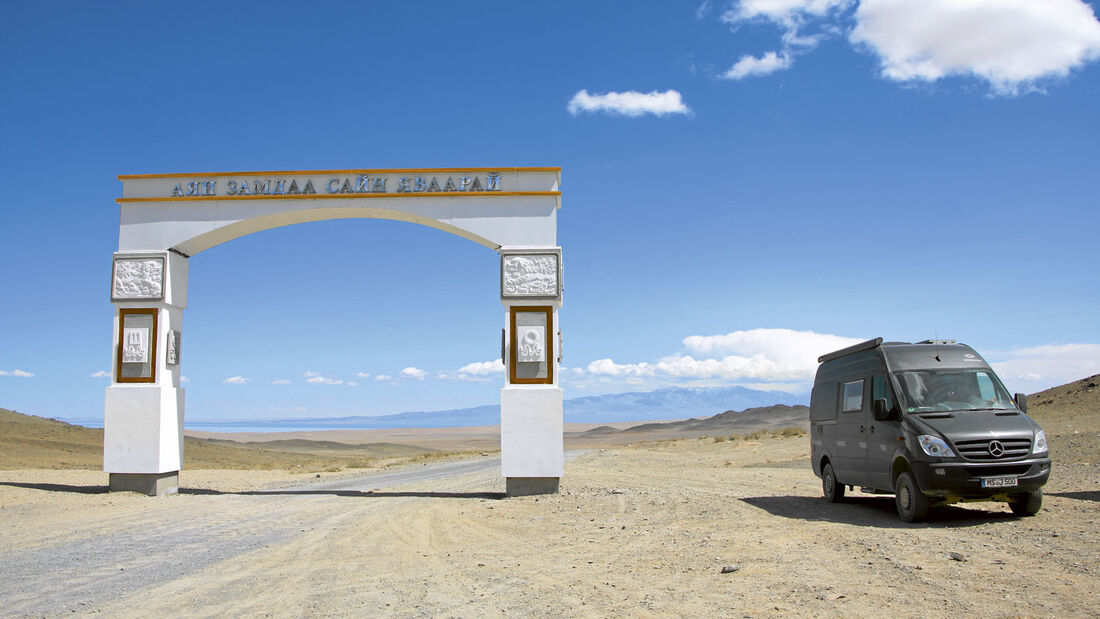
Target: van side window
853,397
879,389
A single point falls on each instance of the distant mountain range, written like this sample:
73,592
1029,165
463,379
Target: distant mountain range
671,403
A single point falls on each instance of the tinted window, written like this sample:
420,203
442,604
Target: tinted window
853,396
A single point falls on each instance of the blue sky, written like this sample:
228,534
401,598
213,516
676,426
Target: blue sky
745,186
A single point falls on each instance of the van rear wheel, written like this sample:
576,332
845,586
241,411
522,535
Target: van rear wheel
834,492
912,504
1027,504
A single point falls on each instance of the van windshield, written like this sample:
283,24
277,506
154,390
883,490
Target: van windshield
953,390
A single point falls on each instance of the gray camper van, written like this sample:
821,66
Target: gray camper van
928,422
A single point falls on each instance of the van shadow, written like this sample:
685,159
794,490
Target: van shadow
1085,495
870,511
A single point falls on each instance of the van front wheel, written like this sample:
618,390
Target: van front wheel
1027,504
912,504
834,492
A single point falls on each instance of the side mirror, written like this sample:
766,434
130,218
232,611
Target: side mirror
1021,402
881,411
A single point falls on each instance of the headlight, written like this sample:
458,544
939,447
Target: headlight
935,446
1040,443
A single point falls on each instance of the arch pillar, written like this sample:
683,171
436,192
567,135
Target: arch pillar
143,412
531,416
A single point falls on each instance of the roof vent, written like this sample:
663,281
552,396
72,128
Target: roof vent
937,342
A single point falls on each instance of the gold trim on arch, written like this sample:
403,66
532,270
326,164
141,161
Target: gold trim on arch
330,196
128,177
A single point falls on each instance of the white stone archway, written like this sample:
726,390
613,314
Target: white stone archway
168,218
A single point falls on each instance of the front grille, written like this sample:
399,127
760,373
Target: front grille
979,450
998,470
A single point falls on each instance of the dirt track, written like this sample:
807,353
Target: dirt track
636,531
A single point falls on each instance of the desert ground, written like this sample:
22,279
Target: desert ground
691,527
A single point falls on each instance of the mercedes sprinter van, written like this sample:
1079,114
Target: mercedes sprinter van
928,422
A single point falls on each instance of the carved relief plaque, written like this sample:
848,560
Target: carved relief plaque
530,358
135,345
532,344
172,353
138,278
530,275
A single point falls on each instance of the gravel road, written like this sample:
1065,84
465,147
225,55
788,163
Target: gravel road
70,573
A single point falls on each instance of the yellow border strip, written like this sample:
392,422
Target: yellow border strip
327,196
129,177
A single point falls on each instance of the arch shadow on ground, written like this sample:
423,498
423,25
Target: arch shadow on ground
58,487
366,494
208,492
872,511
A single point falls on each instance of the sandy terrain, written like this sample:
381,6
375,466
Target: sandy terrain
642,531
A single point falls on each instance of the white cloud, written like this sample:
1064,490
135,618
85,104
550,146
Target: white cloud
236,380
1042,367
482,368
607,367
784,357
363,374
281,381
323,380
785,346
783,12
412,372
351,383
630,103
17,373
1008,43
703,10
383,378
478,371
100,374
753,66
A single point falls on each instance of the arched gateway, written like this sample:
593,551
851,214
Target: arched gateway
167,218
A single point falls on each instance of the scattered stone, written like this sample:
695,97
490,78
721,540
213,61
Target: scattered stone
957,556
729,569
836,596
318,476
617,491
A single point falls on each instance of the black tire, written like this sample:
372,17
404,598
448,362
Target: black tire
911,503
1027,504
834,491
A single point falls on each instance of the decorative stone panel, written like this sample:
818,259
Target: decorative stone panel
138,278
530,275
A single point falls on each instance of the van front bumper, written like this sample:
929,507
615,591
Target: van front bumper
964,479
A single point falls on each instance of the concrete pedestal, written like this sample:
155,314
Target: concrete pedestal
152,484
531,432
526,486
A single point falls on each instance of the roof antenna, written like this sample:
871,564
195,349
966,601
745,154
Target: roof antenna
936,337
